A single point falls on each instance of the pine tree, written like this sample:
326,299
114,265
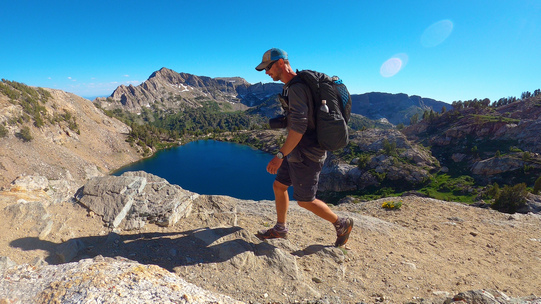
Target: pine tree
537,186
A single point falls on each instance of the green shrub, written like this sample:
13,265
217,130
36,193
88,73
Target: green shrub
511,198
3,131
25,134
537,186
389,148
364,160
493,191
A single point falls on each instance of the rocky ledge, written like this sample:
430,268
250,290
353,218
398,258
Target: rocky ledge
137,239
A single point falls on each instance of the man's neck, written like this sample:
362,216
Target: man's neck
288,75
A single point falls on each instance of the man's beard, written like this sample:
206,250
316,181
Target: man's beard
277,76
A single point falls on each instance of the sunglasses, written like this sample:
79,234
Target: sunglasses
270,66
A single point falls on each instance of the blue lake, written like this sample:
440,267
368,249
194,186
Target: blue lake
212,167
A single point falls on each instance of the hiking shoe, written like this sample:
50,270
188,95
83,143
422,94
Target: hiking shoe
272,233
343,229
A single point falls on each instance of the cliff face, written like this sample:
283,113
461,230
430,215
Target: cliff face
408,163
396,108
495,144
74,140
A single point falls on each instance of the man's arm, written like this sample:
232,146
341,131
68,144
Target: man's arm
298,96
293,138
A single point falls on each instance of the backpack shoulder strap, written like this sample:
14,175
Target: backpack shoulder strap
310,78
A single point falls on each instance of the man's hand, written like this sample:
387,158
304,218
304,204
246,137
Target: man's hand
292,139
274,164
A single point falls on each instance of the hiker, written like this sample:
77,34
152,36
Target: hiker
300,160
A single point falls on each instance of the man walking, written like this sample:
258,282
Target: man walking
300,160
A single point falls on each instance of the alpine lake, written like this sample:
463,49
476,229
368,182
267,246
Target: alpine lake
212,168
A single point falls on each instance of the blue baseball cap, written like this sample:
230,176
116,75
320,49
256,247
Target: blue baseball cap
270,56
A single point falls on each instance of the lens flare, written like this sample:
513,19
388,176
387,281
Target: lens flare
393,65
437,33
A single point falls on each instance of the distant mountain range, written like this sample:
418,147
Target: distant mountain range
167,89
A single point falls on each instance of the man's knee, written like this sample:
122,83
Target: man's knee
279,186
305,204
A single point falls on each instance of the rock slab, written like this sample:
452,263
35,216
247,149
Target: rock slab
136,198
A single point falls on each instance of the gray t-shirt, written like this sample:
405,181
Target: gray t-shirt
300,118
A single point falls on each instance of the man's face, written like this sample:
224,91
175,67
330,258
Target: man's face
274,71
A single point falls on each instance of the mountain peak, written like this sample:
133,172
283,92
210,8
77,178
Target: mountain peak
163,72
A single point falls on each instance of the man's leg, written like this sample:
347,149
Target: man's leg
320,209
282,201
343,226
282,204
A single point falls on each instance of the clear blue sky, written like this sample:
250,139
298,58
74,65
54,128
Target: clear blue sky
446,50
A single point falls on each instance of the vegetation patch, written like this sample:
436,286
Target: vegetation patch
392,205
458,189
510,198
32,101
3,131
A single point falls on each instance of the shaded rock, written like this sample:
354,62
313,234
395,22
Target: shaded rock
408,162
397,108
24,211
67,251
505,163
336,176
533,204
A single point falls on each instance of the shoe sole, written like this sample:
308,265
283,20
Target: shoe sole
268,237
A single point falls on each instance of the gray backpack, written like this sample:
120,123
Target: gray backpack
331,121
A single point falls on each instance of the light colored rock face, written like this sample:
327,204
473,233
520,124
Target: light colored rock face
92,280
57,152
168,89
136,198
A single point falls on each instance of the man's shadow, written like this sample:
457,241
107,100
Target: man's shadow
167,250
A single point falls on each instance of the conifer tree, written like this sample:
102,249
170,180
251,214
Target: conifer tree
537,186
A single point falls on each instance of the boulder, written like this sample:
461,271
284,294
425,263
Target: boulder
111,197
159,202
135,198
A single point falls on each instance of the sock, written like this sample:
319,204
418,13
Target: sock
280,226
339,223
